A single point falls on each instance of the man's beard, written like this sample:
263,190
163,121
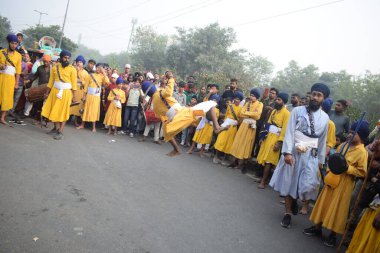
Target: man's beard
65,64
277,106
314,105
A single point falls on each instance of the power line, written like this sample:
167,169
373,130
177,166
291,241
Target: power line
288,13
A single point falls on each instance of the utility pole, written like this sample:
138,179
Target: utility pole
134,22
41,13
63,26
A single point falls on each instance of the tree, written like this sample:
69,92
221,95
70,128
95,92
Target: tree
35,33
148,49
5,28
295,78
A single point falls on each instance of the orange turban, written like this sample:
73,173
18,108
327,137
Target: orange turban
46,57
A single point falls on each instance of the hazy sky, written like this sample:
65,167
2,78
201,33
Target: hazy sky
341,35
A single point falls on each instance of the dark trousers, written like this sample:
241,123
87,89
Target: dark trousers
130,116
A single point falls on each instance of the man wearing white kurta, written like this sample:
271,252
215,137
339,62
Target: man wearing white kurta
303,151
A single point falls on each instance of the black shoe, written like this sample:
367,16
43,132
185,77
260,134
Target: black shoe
243,170
330,241
294,207
286,221
312,231
52,132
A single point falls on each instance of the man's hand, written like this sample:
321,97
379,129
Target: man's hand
2,66
16,86
288,158
376,221
277,146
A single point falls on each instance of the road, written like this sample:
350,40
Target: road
88,193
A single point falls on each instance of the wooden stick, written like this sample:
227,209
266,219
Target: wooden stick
352,215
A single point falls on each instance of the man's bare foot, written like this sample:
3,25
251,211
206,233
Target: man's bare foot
261,186
5,123
80,127
156,142
93,130
190,152
174,153
201,154
304,210
142,139
109,131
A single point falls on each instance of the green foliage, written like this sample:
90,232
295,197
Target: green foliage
34,34
5,28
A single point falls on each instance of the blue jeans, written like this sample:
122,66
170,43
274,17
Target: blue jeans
16,97
131,116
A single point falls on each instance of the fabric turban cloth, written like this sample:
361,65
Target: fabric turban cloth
64,53
239,95
363,131
119,80
145,85
46,57
284,96
81,58
327,104
12,38
321,87
255,92
214,96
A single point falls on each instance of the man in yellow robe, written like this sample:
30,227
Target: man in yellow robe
271,144
61,93
332,206
245,137
226,138
10,70
174,117
82,81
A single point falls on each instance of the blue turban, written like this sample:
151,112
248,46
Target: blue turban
239,95
321,87
145,85
256,92
327,104
363,131
81,58
214,96
119,80
12,38
64,53
284,96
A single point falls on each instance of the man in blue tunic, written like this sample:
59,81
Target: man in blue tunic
303,151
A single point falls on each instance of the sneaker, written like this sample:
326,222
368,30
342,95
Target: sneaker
312,231
294,207
330,241
286,221
131,135
182,143
58,136
216,160
52,132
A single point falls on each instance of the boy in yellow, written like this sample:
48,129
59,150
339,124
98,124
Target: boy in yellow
245,137
226,138
62,91
271,144
113,115
204,131
82,80
10,70
332,206
91,111
174,117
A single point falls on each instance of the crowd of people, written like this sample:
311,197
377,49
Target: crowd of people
286,146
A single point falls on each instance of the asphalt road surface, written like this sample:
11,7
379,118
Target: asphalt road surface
99,193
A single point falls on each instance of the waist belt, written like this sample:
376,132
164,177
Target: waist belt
275,130
9,70
93,91
61,86
251,122
301,139
173,111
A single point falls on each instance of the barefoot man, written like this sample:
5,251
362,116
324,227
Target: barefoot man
10,69
62,91
175,117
